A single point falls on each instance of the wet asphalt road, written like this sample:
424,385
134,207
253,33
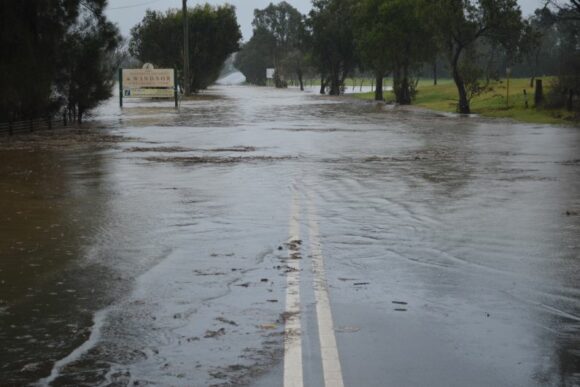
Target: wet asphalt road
269,237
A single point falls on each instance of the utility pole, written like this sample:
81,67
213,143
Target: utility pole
185,50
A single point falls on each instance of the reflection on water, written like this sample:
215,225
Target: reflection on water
473,221
51,208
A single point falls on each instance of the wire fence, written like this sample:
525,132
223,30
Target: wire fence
30,126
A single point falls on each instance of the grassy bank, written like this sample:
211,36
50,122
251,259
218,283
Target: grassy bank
443,97
350,83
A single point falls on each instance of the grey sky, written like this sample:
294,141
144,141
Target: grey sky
127,13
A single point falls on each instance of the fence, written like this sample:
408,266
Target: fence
29,126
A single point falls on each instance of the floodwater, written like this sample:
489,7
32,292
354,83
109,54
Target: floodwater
451,246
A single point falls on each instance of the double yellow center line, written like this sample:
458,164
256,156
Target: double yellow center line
293,362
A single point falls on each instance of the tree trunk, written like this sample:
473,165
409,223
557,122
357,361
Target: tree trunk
401,85
379,87
322,85
463,106
435,72
539,94
300,80
405,87
334,84
397,84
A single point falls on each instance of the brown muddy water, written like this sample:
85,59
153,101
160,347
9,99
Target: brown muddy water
151,250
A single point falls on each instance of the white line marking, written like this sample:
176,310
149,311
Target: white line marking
332,371
292,332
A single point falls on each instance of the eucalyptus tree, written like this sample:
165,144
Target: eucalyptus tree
214,35
285,25
564,17
394,35
40,62
371,36
460,24
88,74
331,24
255,57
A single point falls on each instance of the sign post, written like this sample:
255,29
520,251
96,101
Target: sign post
121,87
175,88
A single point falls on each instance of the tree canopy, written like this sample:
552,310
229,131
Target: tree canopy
55,54
394,36
279,41
460,24
255,57
214,34
333,40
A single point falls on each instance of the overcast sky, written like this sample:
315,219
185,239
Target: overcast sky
127,13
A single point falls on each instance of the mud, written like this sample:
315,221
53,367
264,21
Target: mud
62,139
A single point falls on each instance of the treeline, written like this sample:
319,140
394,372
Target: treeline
56,57
471,41
214,34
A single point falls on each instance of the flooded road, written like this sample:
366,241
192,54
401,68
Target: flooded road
273,238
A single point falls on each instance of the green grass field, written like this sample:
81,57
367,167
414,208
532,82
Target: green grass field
348,83
443,97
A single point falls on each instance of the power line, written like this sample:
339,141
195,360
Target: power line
135,5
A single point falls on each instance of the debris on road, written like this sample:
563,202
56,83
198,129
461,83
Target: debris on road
347,329
209,273
286,316
294,244
212,334
268,326
226,321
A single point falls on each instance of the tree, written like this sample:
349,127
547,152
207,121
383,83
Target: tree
255,57
459,24
213,32
35,38
393,35
87,74
565,18
563,10
370,33
333,44
285,25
